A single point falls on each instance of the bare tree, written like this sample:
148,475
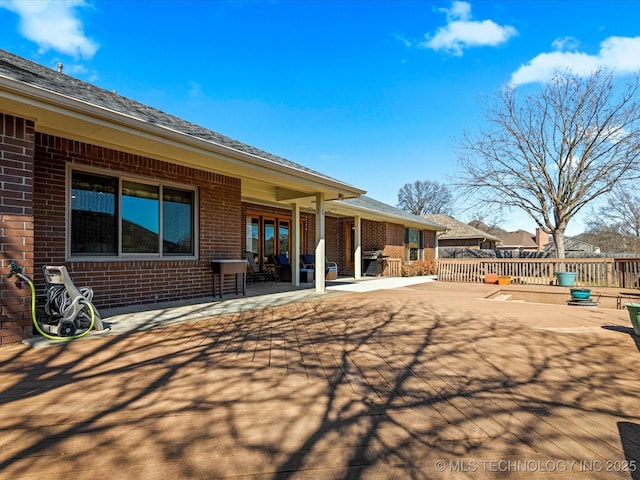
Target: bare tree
618,218
555,150
422,197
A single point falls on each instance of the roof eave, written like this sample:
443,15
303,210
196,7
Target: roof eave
40,98
351,210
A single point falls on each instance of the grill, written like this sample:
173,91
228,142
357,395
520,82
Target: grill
370,262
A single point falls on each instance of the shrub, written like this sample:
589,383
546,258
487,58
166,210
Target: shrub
418,268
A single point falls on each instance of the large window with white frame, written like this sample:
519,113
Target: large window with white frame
119,216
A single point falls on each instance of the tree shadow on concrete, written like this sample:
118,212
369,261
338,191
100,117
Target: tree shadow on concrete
354,386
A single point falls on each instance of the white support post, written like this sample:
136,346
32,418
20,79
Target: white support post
295,244
357,257
320,244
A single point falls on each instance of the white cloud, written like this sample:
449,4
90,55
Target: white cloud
403,40
565,43
53,25
462,32
458,11
620,54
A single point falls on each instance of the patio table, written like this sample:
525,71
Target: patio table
229,267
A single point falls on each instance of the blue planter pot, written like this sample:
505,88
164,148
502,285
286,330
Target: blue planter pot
580,294
566,279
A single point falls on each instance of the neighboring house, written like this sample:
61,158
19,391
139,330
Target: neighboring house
520,240
396,233
524,241
460,234
136,203
492,230
573,247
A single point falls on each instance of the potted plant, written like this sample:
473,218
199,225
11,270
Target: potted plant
580,294
491,278
566,279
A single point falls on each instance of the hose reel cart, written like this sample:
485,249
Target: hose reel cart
68,311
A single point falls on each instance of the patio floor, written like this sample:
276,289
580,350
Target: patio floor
428,381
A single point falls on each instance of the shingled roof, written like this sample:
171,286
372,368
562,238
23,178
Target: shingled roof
457,229
519,239
22,70
369,204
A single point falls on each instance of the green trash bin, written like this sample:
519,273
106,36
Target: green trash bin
634,316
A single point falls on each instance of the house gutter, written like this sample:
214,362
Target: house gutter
39,97
377,215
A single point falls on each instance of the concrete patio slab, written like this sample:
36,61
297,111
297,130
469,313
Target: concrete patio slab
424,381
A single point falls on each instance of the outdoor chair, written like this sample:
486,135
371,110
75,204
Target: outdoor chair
255,273
309,262
282,265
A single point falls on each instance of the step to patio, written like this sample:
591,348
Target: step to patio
502,298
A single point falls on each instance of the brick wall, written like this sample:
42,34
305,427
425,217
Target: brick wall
394,246
333,244
125,282
374,235
16,225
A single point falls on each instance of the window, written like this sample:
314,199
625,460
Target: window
283,237
140,217
253,236
94,223
111,216
269,239
414,244
177,221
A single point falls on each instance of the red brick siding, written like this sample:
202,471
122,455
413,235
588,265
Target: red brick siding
16,225
126,282
332,238
374,235
394,246
16,165
16,244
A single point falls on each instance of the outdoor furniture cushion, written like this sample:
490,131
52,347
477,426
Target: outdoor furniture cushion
306,275
330,268
283,265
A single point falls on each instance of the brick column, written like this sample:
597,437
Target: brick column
16,225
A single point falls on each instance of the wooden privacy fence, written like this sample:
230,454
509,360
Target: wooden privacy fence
601,272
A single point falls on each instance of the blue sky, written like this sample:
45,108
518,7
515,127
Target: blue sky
374,93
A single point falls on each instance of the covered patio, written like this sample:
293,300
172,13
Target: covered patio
430,380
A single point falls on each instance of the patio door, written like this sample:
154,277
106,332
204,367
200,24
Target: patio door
350,236
270,235
268,239
283,237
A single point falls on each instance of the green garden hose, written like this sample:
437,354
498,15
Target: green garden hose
35,320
